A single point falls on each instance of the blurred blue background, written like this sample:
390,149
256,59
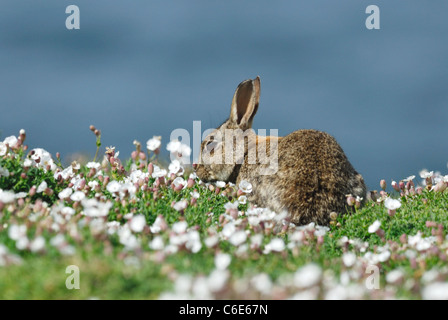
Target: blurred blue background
141,68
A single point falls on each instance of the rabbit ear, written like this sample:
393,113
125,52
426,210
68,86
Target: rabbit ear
245,103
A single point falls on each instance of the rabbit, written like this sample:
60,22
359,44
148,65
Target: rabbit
309,180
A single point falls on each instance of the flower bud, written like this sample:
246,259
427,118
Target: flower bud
383,184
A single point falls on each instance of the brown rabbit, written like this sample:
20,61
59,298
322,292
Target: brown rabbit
305,173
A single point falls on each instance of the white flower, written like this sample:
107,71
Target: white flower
157,243
93,184
228,229
308,276
220,184
173,146
193,241
231,205
95,208
15,232
410,178
179,181
94,165
113,186
217,280
37,244
180,150
175,167
27,163
262,283
7,196
349,259
154,143
138,223
180,205
374,226
44,159
64,194
424,174
3,149
41,188
245,186
195,194
11,141
435,291
180,227
4,172
392,204
158,173
276,245
242,199
222,261
238,238
78,196
394,276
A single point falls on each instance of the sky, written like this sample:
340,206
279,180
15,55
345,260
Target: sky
144,68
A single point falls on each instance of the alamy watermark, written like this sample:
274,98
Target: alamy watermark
230,146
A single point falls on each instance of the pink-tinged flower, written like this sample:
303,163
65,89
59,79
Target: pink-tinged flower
383,184
180,205
245,186
374,227
440,186
350,200
395,186
392,205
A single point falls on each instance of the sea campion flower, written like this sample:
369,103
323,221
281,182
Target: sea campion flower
383,184
181,151
374,227
392,205
138,223
222,261
176,167
3,149
245,186
395,185
64,194
11,141
154,143
4,172
308,276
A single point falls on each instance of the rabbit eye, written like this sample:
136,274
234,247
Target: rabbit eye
211,145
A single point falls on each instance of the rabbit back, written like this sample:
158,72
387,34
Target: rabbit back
313,178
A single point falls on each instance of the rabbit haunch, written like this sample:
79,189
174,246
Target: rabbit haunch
309,178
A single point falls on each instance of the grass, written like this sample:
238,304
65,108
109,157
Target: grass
222,253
